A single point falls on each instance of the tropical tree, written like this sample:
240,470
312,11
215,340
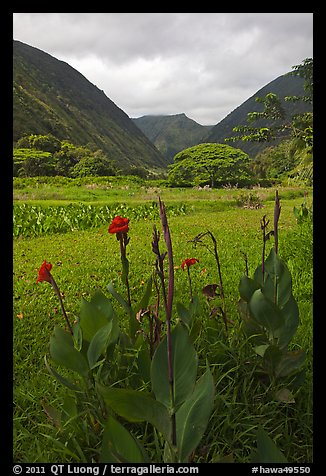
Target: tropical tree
209,164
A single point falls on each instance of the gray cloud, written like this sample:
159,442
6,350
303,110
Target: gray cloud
203,64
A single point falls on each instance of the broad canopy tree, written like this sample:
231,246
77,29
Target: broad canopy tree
209,164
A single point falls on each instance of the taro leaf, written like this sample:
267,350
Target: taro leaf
137,406
95,314
267,451
119,446
247,287
290,362
184,362
265,312
63,352
278,282
192,417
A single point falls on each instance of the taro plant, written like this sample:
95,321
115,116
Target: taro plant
178,403
269,311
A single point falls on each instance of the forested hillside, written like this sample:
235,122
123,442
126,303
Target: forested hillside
171,134
51,97
286,85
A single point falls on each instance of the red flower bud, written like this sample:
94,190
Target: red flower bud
44,272
119,225
189,262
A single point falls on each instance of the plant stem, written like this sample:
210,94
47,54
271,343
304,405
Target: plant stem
190,286
57,291
168,309
124,261
277,211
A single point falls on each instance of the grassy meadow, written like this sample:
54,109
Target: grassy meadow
85,258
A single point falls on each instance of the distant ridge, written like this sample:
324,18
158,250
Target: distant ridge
173,133
52,97
285,85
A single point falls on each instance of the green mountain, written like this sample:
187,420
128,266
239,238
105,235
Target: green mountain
51,97
286,85
171,134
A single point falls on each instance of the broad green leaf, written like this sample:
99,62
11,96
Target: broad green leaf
290,362
137,406
95,314
271,359
193,416
247,287
143,303
118,297
118,445
63,352
267,451
184,314
184,363
278,283
99,344
290,314
265,312
63,380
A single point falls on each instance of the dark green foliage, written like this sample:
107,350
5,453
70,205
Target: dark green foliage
46,155
286,85
209,164
173,133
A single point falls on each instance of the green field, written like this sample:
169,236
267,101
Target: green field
85,258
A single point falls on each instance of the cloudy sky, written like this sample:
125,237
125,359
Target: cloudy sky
202,64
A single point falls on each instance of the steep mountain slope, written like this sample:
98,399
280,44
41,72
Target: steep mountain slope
52,97
171,134
286,85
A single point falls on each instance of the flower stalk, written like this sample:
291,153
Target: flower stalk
168,301
120,227
44,274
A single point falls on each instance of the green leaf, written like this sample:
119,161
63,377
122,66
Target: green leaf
184,363
95,314
119,446
63,352
290,362
278,282
137,406
99,344
271,359
193,416
267,451
247,287
118,297
290,313
184,314
147,294
265,312
64,381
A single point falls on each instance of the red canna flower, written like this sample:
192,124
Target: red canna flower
119,225
189,262
44,272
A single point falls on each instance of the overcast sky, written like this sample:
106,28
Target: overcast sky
202,64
